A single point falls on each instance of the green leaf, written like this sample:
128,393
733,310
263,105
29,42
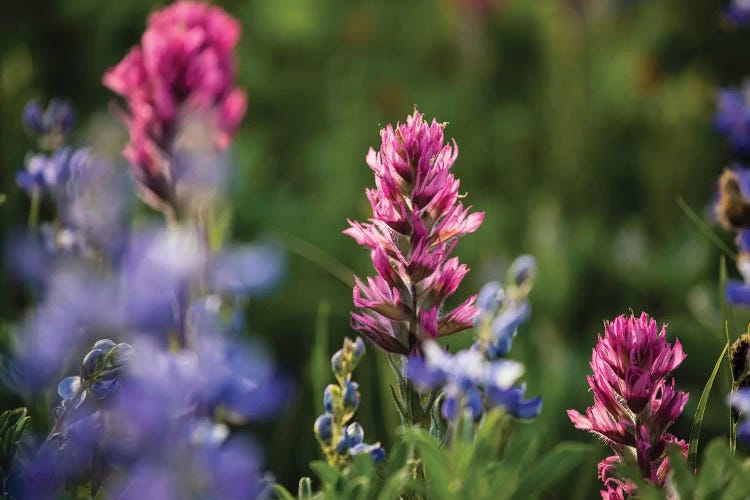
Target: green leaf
320,257
705,229
695,432
433,458
304,490
282,493
326,473
719,471
727,315
12,426
681,476
554,466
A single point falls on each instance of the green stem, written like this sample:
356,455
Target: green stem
34,209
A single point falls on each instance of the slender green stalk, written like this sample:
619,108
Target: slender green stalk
34,209
703,227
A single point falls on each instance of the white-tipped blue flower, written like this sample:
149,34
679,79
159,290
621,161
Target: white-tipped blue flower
740,401
376,452
350,396
490,299
356,433
324,428
522,271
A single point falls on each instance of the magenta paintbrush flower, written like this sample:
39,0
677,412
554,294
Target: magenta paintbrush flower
184,69
634,402
417,220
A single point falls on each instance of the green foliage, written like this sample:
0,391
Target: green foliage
701,409
494,463
12,425
721,476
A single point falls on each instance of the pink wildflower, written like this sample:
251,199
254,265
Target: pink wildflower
634,402
183,69
417,220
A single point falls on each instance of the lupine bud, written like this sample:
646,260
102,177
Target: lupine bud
359,348
490,298
376,452
344,444
104,345
331,398
59,117
120,354
523,271
337,363
350,396
90,363
449,409
324,428
356,433
33,118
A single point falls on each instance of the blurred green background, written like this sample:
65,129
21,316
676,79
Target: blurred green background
579,123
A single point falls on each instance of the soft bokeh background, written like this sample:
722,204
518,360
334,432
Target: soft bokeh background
579,124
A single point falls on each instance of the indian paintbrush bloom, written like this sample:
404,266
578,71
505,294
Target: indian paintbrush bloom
339,437
182,73
416,222
635,402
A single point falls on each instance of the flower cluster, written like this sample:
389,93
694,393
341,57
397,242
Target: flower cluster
740,401
340,438
179,88
634,401
142,414
475,379
50,125
738,12
732,202
416,222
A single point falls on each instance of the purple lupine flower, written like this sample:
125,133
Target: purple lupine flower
634,400
732,117
471,382
182,71
417,220
339,437
49,173
475,379
738,12
732,211
740,401
57,119
503,310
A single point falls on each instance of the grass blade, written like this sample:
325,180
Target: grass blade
695,431
318,256
320,364
704,228
727,315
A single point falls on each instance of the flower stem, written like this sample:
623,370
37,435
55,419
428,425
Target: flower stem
34,209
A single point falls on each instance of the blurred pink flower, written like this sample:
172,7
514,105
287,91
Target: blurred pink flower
183,69
634,403
417,220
